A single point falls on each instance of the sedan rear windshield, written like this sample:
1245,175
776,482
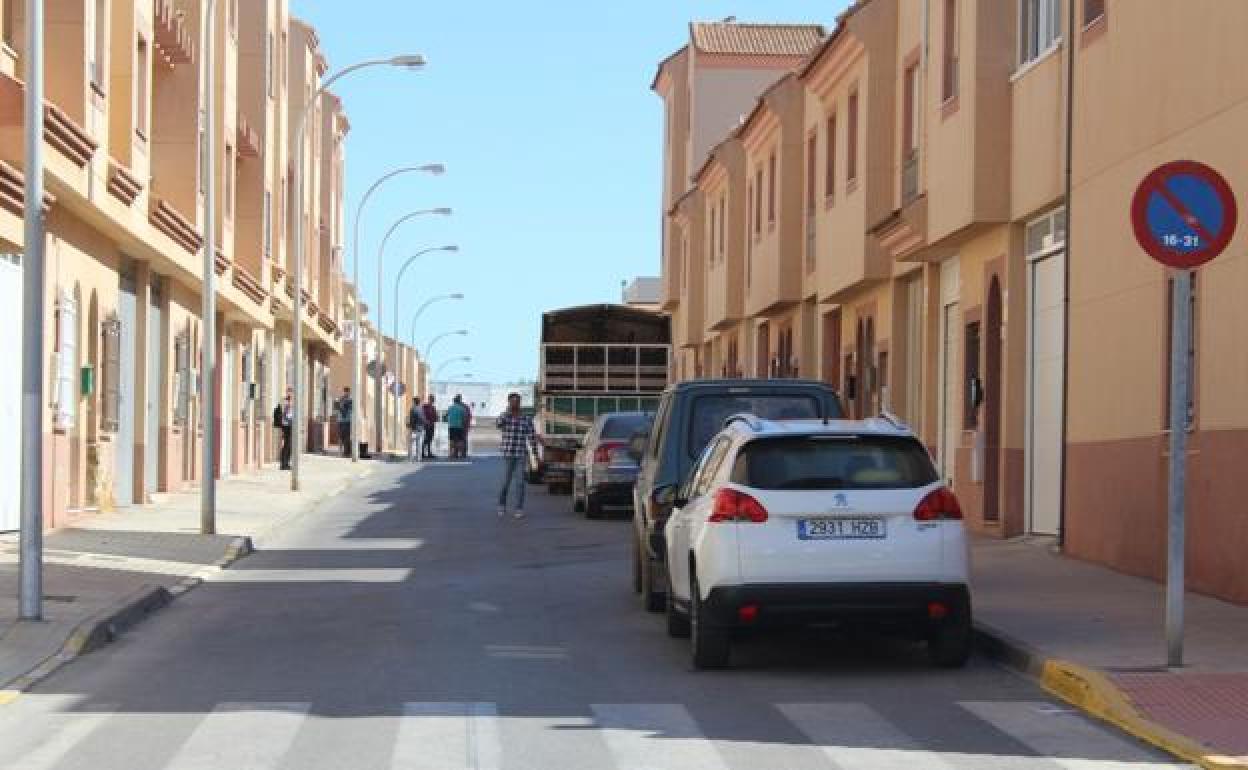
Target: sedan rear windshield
834,462
709,412
625,425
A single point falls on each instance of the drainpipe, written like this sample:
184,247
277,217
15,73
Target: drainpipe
1070,154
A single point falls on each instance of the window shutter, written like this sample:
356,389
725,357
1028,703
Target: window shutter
110,404
182,387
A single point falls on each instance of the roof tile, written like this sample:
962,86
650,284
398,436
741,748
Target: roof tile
756,39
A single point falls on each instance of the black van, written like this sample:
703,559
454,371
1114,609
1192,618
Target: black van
689,415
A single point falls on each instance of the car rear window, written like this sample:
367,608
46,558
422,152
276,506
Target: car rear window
709,412
834,462
624,426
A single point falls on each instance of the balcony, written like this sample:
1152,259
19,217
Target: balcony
605,368
173,39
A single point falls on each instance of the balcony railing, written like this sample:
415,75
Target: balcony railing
605,368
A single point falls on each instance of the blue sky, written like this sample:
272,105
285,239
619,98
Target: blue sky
543,116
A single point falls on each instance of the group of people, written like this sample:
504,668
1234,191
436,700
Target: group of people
517,436
422,423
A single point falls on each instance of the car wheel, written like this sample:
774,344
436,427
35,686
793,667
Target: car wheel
593,506
577,504
710,646
678,625
949,645
651,599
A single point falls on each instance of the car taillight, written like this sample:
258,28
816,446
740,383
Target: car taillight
939,504
603,453
731,505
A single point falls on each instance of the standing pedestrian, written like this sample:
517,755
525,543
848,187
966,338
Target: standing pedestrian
456,422
467,427
415,428
517,437
343,407
431,427
284,420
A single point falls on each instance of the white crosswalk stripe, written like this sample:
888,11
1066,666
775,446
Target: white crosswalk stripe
624,736
242,736
1071,740
855,735
74,729
448,736
650,736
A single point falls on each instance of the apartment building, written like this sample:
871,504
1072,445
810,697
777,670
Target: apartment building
125,126
890,216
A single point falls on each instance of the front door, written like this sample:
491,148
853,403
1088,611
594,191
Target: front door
10,400
225,418
154,391
950,378
1046,353
123,458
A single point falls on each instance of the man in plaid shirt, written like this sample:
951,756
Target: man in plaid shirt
518,436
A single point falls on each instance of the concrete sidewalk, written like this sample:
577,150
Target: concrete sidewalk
106,571
1096,638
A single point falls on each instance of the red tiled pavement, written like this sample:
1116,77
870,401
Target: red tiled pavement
1211,708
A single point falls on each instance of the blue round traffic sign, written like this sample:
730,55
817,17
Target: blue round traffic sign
1184,214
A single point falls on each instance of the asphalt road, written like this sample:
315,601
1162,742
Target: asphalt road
404,625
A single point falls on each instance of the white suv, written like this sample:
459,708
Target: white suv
800,522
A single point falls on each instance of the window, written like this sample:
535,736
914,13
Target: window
201,162
182,377
812,144
829,180
66,396
833,462
1191,356
972,385
723,205
910,116
852,139
771,189
231,20
270,53
229,182
267,226
142,95
1093,10
99,45
714,231
758,201
710,411
1039,28
8,26
949,56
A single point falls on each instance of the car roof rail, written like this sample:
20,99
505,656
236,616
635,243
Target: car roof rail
893,420
751,421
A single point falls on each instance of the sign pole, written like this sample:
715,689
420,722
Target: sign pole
1180,386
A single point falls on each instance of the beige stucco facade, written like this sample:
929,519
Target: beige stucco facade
917,257
125,210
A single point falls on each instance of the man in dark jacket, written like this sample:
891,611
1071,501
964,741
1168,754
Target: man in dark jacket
284,420
431,427
415,428
343,407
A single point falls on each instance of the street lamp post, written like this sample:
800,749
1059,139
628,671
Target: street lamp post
429,168
439,338
30,578
208,301
394,325
426,304
411,62
378,403
449,361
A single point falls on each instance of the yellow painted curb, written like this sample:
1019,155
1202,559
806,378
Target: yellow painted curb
1094,693
8,696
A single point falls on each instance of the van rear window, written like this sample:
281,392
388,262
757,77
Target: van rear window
834,462
709,412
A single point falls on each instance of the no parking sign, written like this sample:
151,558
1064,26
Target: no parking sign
1184,215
